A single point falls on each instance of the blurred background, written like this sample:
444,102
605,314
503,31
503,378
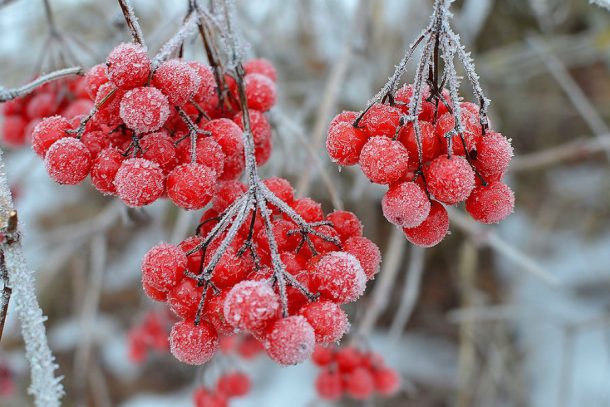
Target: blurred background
512,315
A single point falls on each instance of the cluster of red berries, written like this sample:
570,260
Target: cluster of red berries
352,372
149,334
240,294
138,143
245,347
66,97
229,385
387,151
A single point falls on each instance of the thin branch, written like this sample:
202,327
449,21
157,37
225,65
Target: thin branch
10,94
6,293
173,44
132,22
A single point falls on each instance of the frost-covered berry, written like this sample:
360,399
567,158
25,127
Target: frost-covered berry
104,169
387,381
360,384
381,120
367,253
348,359
493,154
193,344
280,188
159,148
191,186
95,141
184,298
213,310
430,143
260,92
206,398
450,180
144,109
384,160
41,105
405,205
310,210
153,293
472,132
344,143
261,66
229,136
128,66
47,132
108,102
251,305
346,116
231,268
327,319
329,385
339,277
345,223
68,161
234,384
94,78
226,193
291,340
261,133
432,230
491,203
207,83
139,182
177,80
163,266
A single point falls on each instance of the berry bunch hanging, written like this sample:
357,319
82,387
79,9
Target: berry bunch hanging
229,385
351,372
150,334
427,145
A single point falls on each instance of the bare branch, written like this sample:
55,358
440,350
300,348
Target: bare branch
10,94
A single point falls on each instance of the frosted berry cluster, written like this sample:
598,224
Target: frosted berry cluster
422,178
150,334
153,133
67,97
323,270
351,372
229,385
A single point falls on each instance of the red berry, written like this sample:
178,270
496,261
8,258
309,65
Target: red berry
159,148
339,277
450,180
366,252
260,92
139,182
214,312
405,205
191,186
128,66
194,259
327,319
493,154
344,143
177,80
108,102
387,381
381,120
345,116
290,340
184,298
144,109
47,132
280,188
322,355
329,385
360,384
251,305
427,108
163,267
261,66
104,169
95,141
68,161
430,144
193,344
346,224
229,136
77,108
491,203
432,230
153,293
384,160
231,269
308,209
472,132
348,359
206,398
94,78
235,384
226,193
261,133
42,105
13,130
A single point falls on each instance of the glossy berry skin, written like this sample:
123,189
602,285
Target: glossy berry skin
491,204
345,223
405,205
381,120
128,66
327,319
430,143
163,267
251,305
344,143
494,153
260,92
360,384
339,277
184,298
68,161
261,66
234,384
450,180
367,253
384,160
139,182
329,385
177,80
290,340
191,186
387,381
432,230
191,344
104,169
47,132
144,109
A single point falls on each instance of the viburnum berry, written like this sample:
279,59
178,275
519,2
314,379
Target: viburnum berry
139,182
159,148
95,141
345,223
261,66
94,78
384,160
251,305
290,340
322,355
68,161
308,209
346,116
234,384
108,102
327,319
13,130
77,108
144,109
344,143
104,169
367,253
177,80
472,132
184,298
163,266
405,205
47,132
214,312
430,143
226,193
427,108
41,105
432,230
260,92
339,277
194,259
494,152
491,203
261,134
387,381
381,120
348,359
207,84
128,66
193,344
207,398
191,186
280,188
153,293
450,180
360,384
229,136
231,268
329,385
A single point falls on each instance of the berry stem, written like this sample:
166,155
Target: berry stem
132,22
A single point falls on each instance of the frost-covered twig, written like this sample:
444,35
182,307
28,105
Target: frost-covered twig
10,94
186,30
132,22
46,388
5,296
